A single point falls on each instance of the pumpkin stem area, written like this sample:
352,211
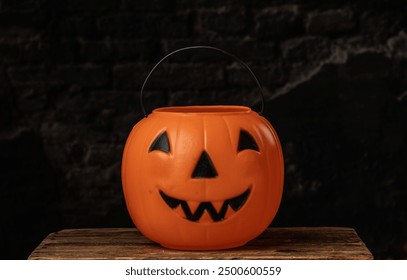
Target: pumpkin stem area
216,109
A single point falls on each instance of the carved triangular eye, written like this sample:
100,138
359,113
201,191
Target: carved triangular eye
246,142
160,143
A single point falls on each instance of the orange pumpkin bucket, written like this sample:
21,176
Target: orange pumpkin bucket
202,177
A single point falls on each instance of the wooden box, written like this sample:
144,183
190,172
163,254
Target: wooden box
275,243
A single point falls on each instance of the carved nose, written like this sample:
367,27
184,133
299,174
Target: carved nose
204,168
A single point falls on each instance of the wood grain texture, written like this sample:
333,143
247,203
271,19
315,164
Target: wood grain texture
275,243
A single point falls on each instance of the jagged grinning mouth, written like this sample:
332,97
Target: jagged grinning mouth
206,206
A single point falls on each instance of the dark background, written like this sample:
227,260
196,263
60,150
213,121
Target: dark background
334,72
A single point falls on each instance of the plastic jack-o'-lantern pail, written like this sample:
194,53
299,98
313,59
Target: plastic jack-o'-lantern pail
202,177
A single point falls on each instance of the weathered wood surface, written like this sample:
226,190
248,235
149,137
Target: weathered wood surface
275,243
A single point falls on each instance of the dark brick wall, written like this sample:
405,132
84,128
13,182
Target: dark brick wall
335,75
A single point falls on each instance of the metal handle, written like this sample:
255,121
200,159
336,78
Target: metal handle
203,47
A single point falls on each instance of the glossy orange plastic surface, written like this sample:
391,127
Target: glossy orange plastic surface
202,177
